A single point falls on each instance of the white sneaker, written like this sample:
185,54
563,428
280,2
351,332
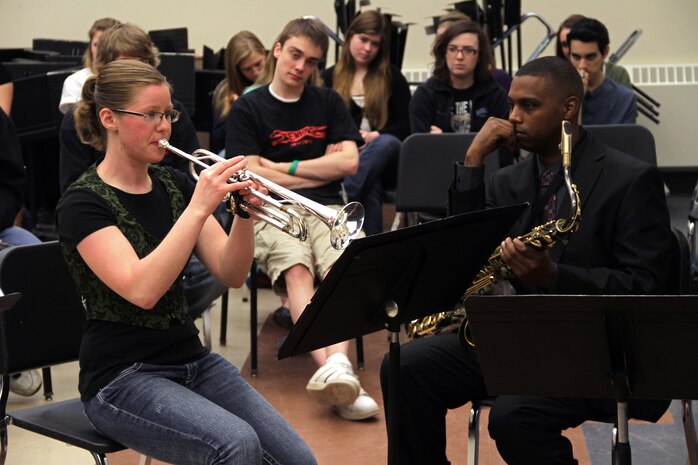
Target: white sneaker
363,407
26,383
334,383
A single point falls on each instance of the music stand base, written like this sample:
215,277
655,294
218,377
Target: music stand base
392,417
621,454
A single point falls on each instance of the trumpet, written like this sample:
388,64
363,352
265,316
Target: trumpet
345,224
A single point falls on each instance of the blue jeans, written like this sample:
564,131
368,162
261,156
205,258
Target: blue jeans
18,236
366,186
196,413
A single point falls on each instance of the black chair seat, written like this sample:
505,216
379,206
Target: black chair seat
65,422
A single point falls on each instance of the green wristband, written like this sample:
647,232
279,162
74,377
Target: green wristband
292,167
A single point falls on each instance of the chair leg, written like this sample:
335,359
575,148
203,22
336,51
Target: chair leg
360,352
48,385
3,441
473,434
224,318
396,221
689,429
100,459
253,319
206,317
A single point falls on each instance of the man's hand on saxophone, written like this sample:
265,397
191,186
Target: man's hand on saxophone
527,263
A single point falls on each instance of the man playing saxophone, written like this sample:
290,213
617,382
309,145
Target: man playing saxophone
622,246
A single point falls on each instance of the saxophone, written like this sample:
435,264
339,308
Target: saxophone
495,270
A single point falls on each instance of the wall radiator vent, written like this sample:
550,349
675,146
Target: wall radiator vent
661,75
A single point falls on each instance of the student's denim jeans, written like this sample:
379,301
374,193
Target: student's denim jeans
366,186
197,413
18,236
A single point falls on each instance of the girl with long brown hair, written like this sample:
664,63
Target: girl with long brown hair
378,96
245,58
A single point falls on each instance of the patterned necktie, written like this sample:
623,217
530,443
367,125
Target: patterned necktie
546,178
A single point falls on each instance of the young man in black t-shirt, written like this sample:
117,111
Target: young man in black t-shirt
302,138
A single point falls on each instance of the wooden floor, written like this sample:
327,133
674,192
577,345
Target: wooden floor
333,440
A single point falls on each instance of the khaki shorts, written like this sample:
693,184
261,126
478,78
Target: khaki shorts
276,251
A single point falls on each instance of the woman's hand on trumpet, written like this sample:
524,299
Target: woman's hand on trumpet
215,184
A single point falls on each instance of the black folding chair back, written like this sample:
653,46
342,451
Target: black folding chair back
42,329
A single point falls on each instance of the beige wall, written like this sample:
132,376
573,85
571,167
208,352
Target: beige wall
667,26
668,36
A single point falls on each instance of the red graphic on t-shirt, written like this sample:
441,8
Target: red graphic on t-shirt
298,137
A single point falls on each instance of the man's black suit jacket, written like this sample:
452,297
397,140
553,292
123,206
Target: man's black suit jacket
624,240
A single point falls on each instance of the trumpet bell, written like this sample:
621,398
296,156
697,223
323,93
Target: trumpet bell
346,225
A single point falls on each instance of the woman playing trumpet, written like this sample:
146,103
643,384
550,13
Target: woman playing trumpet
127,229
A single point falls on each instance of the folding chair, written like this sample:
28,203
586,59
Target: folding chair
426,169
632,139
42,329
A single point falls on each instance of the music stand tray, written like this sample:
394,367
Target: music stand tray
566,346
424,269
615,347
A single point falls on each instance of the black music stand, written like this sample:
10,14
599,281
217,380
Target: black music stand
384,280
614,347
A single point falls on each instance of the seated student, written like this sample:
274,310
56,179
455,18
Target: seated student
605,101
123,41
12,189
378,98
622,247
146,381
245,57
461,94
302,137
445,20
72,86
562,45
562,49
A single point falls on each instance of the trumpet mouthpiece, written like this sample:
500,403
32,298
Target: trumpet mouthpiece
163,143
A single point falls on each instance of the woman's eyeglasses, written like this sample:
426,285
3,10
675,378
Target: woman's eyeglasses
154,116
466,51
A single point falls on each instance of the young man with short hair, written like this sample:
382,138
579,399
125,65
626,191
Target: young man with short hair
303,138
605,101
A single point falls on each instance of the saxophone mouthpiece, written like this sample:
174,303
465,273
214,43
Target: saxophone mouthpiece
566,143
